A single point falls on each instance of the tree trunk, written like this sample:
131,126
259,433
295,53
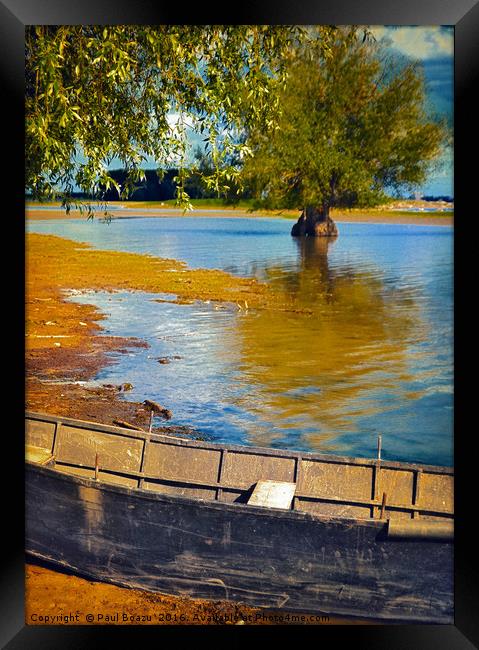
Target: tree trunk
314,222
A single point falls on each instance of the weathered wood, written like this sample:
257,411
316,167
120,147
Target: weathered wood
213,487
175,516
383,505
417,491
141,481
297,478
260,556
272,494
38,455
443,530
127,425
40,433
325,484
42,418
219,490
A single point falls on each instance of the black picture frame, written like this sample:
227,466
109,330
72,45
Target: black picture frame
14,15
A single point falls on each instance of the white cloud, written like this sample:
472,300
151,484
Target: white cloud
419,42
173,120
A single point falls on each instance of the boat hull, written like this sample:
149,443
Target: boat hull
262,557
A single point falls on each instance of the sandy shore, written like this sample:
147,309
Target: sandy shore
357,216
78,601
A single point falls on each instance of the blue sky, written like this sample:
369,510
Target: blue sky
433,46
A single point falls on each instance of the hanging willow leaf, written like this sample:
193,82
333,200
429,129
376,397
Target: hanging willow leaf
96,93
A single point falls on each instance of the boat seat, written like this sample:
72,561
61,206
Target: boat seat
272,494
38,455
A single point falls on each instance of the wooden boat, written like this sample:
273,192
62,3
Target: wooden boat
270,528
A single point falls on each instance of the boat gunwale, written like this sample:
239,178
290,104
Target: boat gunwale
242,449
174,499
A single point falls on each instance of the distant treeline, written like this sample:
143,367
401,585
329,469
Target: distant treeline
154,189
446,199
151,189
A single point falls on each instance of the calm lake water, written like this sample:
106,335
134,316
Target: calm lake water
374,356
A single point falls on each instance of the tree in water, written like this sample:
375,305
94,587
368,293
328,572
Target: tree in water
354,124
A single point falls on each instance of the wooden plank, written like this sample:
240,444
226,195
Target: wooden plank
178,463
38,455
397,484
246,469
332,509
105,478
85,472
39,434
261,451
374,481
272,494
399,508
126,425
326,485
40,418
350,482
78,446
437,492
189,491
229,495
334,506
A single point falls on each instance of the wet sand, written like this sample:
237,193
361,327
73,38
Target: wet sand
65,347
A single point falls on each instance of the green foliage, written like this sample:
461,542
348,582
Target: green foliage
353,125
98,93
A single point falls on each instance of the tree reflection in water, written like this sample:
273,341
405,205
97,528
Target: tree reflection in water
339,355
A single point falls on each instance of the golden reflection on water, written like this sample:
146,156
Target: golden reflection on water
341,356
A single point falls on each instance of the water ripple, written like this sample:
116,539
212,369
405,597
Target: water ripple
374,355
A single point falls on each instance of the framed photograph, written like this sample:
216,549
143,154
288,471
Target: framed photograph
239,370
